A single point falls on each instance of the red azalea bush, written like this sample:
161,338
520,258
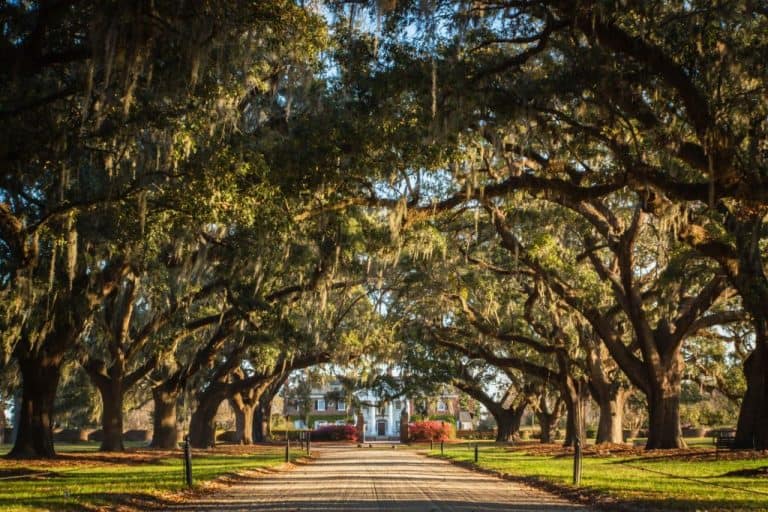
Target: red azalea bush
335,433
431,431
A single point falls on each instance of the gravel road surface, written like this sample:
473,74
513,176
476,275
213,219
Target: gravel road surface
367,480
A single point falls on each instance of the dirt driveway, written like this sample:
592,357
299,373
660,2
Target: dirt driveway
364,479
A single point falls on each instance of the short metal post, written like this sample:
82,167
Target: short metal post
441,447
475,453
577,461
187,461
577,438
431,445
287,450
309,443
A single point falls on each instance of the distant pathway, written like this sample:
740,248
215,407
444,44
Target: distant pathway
363,479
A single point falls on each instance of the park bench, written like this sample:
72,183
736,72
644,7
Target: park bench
724,438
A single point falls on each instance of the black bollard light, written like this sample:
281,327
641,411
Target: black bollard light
441,447
577,461
431,445
187,461
309,443
287,450
476,453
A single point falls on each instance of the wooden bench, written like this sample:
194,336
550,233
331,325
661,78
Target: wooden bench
725,438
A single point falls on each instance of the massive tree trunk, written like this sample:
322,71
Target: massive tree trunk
243,406
548,418
166,394
40,363
611,404
575,396
245,401
664,423
202,425
111,376
262,413
165,434
752,427
112,416
244,423
605,387
2,426
508,412
573,393
664,430
40,378
742,262
547,423
260,422
751,282
508,422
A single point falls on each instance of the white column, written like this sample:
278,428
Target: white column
372,427
390,420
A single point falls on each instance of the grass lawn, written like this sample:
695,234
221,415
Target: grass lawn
681,480
83,478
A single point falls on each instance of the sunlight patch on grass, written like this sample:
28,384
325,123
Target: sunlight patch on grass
73,484
655,480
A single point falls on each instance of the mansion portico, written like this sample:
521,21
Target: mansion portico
382,419
330,406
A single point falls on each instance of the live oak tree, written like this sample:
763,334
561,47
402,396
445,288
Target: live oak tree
606,229
227,382
658,369
108,89
179,179
672,93
428,364
125,341
445,336
706,153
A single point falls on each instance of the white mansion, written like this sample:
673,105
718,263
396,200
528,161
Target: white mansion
329,406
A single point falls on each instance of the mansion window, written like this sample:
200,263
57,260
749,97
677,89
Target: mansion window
319,404
441,406
341,405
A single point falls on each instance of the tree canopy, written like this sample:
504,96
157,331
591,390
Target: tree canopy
538,202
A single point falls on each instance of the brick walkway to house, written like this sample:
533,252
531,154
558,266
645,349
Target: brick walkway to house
364,479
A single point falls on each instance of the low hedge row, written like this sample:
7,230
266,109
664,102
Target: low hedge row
335,433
